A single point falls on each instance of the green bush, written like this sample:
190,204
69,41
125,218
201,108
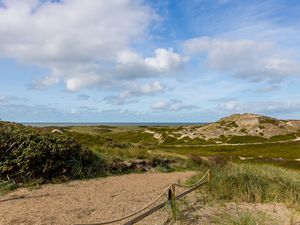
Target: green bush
27,153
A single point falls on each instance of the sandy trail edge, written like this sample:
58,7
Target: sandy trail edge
86,201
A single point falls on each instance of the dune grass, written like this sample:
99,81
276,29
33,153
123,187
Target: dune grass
6,186
253,183
289,150
244,218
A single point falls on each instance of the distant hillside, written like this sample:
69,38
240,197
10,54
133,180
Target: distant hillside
244,125
237,125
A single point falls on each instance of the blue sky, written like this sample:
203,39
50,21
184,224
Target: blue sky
148,60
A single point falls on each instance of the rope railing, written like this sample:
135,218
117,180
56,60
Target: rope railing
171,197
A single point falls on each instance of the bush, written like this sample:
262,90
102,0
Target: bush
27,154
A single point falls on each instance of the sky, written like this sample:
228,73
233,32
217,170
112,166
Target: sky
148,60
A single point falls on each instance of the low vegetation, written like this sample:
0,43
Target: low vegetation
28,154
244,218
77,152
250,183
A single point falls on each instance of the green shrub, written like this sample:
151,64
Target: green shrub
286,137
27,154
270,120
246,139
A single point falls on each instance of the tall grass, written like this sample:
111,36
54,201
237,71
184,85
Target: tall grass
6,186
254,183
244,218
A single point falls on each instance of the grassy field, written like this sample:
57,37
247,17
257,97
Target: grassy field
135,142
252,189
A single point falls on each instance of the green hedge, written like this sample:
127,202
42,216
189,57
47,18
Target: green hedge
27,153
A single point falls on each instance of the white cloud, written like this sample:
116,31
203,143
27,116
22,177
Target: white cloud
134,91
75,39
161,105
33,31
151,88
233,106
246,59
45,82
79,81
263,107
171,105
163,61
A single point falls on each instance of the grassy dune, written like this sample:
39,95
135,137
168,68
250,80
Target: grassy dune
131,141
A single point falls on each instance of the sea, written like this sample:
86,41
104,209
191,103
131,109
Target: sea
54,124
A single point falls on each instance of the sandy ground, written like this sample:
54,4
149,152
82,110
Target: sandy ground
87,201
99,200
274,213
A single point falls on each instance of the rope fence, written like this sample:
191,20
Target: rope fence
169,191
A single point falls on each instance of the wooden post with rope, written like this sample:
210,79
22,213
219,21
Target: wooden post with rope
208,176
172,200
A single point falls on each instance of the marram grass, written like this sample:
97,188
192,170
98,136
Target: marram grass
253,183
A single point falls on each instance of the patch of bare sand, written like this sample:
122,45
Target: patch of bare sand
87,201
207,214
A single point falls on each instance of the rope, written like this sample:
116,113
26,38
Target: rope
23,197
151,203
195,184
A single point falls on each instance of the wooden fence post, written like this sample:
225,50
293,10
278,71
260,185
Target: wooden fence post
172,200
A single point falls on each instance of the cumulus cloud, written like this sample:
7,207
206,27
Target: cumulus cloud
72,30
163,61
45,82
264,107
245,59
171,105
80,42
126,96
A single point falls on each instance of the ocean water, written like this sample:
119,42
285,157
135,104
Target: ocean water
108,124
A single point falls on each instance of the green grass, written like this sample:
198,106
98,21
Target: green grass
6,187
128,134
131,141
252,183
283,137
244,218
289,150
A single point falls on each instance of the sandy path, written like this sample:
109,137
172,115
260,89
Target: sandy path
86,201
